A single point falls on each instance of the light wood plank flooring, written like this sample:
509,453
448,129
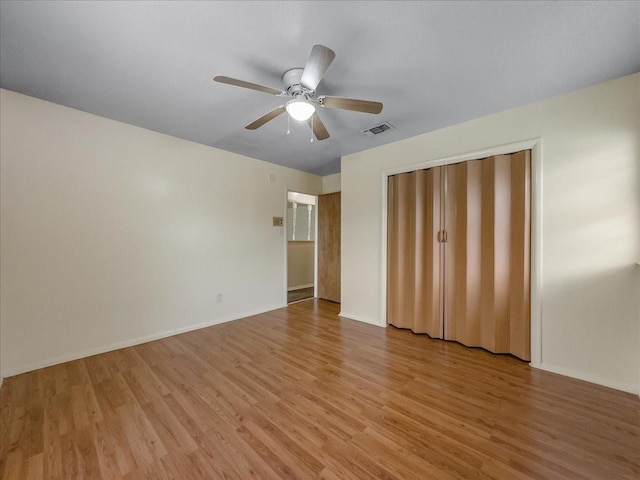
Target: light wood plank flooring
301,393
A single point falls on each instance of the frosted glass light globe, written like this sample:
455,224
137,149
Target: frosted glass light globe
300,109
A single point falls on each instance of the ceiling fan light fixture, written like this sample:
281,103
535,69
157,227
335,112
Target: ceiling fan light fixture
300,89
300,109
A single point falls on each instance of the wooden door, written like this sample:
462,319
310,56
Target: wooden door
414,270
458,253
487,267
329,247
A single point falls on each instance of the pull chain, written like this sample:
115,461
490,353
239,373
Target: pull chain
312,129
288,120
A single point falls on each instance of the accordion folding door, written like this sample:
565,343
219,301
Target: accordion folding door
458,252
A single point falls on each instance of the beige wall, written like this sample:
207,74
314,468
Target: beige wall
300,264
331,183
590,222
112,234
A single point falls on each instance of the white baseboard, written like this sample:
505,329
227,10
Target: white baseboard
630,388
128,343
299,287
605,382
360,319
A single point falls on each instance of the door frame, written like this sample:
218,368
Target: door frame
535,145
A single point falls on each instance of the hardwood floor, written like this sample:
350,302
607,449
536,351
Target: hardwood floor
300,393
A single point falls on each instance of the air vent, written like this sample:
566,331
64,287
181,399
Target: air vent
378,129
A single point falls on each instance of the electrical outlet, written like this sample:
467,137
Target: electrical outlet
219,298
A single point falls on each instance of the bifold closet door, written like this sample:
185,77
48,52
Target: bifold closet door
414,295
487,265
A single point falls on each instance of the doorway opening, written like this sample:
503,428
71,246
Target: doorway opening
301,246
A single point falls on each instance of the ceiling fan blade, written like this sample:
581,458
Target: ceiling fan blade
364,106
242,83
318,63
267,117
319,130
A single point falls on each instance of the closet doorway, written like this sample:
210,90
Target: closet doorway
458,252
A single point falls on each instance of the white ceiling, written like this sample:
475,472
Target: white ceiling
432,64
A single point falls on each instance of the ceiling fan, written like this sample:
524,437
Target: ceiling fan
300,86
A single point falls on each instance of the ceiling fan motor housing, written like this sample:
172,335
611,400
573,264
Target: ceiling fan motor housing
291,80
